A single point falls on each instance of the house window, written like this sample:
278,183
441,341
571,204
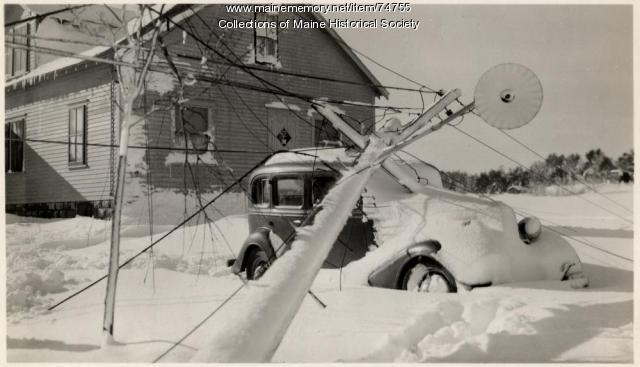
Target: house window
14,146
78,135
17,59
192,128
266,46
326,134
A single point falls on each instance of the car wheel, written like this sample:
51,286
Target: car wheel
257,264
424,274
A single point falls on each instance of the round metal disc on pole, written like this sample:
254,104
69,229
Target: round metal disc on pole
508,96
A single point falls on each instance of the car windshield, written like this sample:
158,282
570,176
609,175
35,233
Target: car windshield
320,187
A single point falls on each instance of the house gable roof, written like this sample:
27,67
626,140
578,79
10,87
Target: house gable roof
380,90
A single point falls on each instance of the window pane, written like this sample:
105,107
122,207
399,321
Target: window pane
325,132
17,129
289,191
16,156
261,31
261,51
80,120
20,32
261,192
8,56
271,48
272,32
7,147
80,148
72,123
14,146
195,119
72,148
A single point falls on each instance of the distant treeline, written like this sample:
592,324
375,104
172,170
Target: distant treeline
556,169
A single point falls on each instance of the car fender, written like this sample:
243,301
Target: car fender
259,238
388,274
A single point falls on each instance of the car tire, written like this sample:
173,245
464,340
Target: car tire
257,264
425,274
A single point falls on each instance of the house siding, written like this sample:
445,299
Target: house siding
241,122
240,116
47,176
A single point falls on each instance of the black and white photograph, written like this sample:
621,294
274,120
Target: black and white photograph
323,182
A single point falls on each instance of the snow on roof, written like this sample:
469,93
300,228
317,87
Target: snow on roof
150,16
55,65
58,64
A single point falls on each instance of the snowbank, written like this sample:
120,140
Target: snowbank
277,296
479,238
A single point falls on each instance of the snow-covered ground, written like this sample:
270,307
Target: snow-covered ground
162,301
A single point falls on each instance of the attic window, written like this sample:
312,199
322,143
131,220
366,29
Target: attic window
193,128
16,60
266,38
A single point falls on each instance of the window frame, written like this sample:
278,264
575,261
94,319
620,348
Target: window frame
275,195
318,123
266,194
10,69
23,121
75,163
264,57
179,142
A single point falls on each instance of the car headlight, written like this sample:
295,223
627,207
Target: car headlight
529,229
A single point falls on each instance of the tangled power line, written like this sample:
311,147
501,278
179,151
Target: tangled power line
269,87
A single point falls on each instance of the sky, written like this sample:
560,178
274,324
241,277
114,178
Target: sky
582,55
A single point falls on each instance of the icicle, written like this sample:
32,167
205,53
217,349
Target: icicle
184,37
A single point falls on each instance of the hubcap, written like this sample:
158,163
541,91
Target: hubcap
259,269
421,278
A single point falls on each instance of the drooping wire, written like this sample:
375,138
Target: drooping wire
542,176
568,170
522,212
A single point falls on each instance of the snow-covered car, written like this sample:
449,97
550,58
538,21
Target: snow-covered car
433,241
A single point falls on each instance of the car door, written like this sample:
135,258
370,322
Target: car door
289,206
355,237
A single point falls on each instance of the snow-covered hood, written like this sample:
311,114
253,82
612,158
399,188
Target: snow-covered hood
479,238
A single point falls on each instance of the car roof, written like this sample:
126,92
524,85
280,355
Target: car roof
329,159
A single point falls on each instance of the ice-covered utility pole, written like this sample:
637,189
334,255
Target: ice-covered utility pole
131,82
251,330
401,138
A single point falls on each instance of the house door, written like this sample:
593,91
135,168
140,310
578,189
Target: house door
287,131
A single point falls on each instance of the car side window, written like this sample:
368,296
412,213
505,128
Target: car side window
261,192
289,191
320,187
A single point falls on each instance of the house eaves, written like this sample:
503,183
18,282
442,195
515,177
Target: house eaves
61,65
375,83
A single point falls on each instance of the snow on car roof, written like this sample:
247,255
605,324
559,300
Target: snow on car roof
311,155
